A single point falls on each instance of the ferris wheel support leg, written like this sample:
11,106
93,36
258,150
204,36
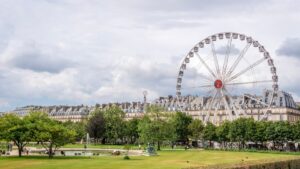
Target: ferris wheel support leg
210,106
226,105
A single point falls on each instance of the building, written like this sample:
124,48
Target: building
282,107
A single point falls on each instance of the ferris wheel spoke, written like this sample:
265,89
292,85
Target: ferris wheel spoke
201,86
210,105
255,99
205,65
233,105
228,50
226,105
253,82
245,70
215,58
237,61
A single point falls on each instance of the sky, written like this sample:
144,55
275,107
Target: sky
70,52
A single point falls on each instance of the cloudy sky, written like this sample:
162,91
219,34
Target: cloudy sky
96,51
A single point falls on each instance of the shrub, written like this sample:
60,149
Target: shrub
126,157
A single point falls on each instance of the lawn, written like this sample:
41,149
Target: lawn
165,159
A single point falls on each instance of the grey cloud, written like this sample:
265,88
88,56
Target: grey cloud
290,47
223,49
39,63
32,57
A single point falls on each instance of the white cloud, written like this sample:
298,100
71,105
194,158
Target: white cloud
76,51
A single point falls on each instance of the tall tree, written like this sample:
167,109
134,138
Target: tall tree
181,121
13,128
156,130
96,126
54,135
222,133
271,133
260,134
131,130
209,133
114,124
50,133
79,127
196,128
238,131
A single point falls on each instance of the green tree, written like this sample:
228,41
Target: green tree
96,126
13,128
50,133
296,131
53,135
222,133
156,130
238,131
260,134
181,121
131,130
209,133
283,132
251,129
79,127
270,133
114,124
196,128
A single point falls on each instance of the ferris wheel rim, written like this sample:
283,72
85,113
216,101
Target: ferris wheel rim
228,75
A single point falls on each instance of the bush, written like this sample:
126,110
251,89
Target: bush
126,157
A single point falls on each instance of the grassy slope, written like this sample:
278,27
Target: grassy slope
166,159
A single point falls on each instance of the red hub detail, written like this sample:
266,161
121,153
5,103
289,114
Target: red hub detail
218,84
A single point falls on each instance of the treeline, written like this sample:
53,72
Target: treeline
109,126
157,127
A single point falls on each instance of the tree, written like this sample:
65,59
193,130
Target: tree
251,129
114,124
50,133
283,132
54,135
96,126
181,121
270,132
260,134
196,129
79,127
222,133
209,133
13,128
296,131
131,130
238,131
156,130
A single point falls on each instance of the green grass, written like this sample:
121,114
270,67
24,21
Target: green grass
165,159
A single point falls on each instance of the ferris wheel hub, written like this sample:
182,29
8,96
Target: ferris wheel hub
218,84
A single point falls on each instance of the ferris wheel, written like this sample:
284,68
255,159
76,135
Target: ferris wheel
229,71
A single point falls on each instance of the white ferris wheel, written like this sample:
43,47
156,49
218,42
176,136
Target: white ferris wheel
229,71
